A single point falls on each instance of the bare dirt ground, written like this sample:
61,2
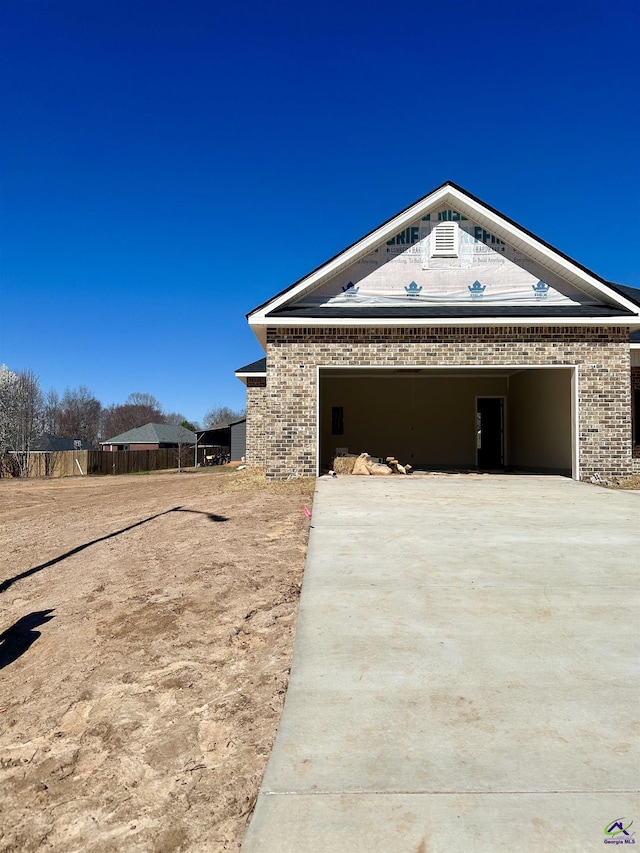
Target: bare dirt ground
146,632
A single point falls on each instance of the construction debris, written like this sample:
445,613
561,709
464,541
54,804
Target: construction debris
361,466
379,469
597,480
396,467
366,465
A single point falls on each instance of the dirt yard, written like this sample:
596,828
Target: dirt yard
146,631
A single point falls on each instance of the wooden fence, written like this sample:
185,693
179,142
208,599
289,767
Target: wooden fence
75,463
135,461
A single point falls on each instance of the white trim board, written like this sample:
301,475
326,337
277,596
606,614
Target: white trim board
244,376
260,328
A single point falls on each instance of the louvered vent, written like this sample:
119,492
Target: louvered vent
445,240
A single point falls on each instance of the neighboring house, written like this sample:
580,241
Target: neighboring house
48,443
45,457
151,437
449,337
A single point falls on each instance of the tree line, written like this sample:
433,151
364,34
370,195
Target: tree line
26,413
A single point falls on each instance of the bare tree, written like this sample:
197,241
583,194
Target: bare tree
79,415
221,416
175,418
51,412
138,398
184,449
138,410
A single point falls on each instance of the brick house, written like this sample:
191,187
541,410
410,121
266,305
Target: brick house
151,437
449,337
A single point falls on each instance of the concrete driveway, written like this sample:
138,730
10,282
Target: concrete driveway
465,673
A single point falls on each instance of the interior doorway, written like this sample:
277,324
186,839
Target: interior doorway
490,432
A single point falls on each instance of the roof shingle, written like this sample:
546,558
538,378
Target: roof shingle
154,434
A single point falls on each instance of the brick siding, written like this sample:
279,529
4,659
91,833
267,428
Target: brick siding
635,385
281,417
256,421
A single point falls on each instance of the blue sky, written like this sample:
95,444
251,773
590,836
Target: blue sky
168,166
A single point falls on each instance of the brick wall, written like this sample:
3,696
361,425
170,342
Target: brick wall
635,386
256,421
284,423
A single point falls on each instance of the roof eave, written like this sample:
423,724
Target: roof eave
244,376
632,321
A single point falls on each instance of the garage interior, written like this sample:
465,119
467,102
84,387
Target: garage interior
449,419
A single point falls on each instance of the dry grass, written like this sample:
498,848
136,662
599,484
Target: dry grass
253,480
344,464
632,483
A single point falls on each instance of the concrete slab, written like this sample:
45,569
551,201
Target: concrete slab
385,823
465,672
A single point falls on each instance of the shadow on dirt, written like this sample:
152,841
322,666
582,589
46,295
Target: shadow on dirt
5,585
210,515
15,641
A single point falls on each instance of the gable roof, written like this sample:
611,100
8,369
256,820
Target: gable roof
154,434
608,302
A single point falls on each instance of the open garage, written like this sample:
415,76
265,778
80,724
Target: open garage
451,418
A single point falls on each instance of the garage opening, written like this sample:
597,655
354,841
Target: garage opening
517,419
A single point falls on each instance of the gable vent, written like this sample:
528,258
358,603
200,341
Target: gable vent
445,240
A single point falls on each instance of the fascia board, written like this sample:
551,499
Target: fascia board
115,443
319,322
244,376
